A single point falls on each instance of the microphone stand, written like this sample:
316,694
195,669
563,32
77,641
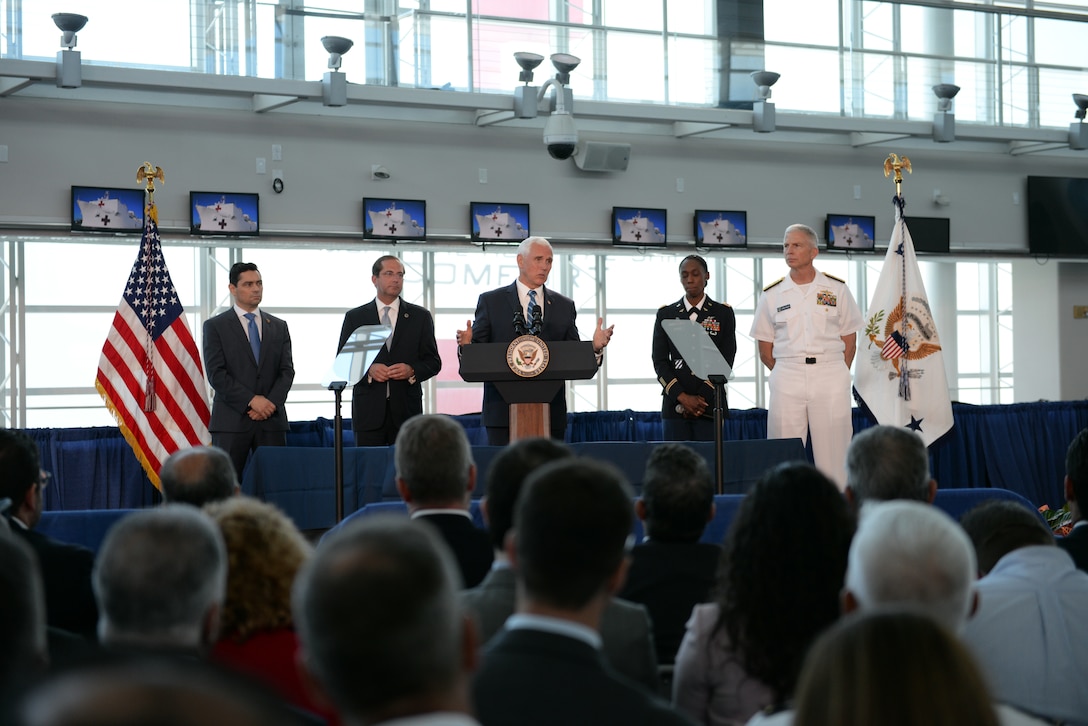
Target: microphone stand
337,387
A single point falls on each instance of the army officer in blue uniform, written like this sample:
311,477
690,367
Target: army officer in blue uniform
687,401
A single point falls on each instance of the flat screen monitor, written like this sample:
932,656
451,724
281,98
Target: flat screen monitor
224,214
394,219
930,234
638,226
1058,216
498,222
107,210
715,228
850,233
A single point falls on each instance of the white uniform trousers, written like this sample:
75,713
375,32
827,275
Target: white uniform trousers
813,398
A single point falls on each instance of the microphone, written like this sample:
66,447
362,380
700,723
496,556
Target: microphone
519,324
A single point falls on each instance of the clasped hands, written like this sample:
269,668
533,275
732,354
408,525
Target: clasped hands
397,372
261,409
694,406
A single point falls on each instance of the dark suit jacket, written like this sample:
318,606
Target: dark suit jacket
494,323
1076,544
413,343
235,376
66,574
673,372
533,677
670,578
626,632
469,543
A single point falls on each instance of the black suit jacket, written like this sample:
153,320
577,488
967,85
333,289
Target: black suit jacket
532,677
494,323
670,578
673,372
235,376
1076,544
66,575
413,343
469,543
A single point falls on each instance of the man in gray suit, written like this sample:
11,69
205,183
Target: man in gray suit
247,356
626,632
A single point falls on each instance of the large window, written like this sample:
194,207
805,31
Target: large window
56,321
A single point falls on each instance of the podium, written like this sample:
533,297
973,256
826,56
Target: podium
528,394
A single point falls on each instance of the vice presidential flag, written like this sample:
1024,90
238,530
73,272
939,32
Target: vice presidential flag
900,373
150,374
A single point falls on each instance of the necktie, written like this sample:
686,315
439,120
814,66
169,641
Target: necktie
694,314
386,321
532,310
254,336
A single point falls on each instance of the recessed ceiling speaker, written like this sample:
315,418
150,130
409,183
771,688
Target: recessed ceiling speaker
601,156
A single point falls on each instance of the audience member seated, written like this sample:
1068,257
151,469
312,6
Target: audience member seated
160,579
22,618
907,555
851,678
672,571
1030,632
888,462
1076,491
143,690
256,631
435,477
782,570
198,475
626,632
572,523
65,568
381,631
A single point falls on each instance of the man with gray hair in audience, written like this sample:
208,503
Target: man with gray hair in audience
160,580
888,462
436,475
908,555
198,475
380,627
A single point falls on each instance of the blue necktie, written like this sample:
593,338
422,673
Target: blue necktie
254,336
532,312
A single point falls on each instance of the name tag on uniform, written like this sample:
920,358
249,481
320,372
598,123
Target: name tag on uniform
826,297
782,307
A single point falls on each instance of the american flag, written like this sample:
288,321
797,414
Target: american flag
894,346
150,374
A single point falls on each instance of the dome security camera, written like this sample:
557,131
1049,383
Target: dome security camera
560,135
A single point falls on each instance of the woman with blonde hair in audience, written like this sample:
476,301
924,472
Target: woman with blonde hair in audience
265,551
778,589
895,669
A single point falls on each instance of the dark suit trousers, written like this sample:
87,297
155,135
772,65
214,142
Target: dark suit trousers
238,444
386,435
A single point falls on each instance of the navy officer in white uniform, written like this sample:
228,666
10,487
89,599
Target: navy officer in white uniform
806,325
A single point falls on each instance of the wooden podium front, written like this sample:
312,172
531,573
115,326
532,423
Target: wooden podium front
528,397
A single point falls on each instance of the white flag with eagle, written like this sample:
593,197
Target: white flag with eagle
900,373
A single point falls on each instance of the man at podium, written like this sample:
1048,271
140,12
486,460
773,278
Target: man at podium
526,300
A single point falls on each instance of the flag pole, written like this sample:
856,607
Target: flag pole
898,164
147,175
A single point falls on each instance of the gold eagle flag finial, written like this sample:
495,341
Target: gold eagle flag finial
147,175
897,164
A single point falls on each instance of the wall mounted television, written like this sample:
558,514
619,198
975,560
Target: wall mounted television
638,226
1057,216
850,232
494,221
930,234
107,210
394,219
224,214
714,228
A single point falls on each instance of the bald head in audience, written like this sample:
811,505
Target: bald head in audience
197,476
888,462
380,628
